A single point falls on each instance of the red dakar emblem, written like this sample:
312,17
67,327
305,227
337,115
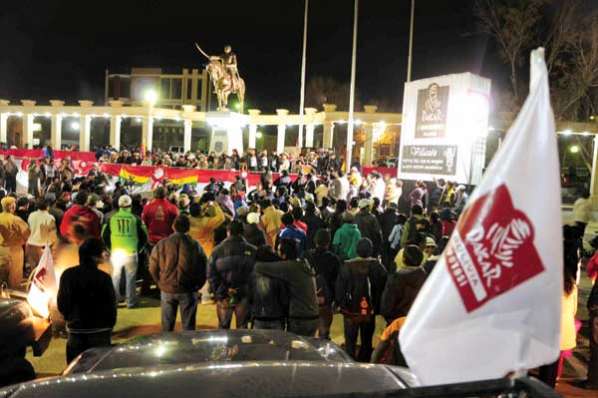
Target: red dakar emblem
492,249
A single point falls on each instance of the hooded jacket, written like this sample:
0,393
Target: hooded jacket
345,241
230,267
272,221
400,292
299,279
202,228
370,228
349,275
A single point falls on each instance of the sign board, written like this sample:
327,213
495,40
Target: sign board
445,123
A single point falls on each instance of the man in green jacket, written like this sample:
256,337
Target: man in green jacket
125,235
346,238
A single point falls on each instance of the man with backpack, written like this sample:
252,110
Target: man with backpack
358,290
326,264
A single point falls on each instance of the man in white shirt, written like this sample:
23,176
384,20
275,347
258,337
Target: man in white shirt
582,213
43,232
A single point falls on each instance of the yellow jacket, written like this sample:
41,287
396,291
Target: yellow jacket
272,221
202,228
13,230
569,309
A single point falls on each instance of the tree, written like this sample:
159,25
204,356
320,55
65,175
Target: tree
513,24
325,90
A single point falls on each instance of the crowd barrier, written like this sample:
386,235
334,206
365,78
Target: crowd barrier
82,162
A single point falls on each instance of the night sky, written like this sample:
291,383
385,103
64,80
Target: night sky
61,48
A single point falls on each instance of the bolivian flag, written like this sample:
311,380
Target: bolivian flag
182,176
129,176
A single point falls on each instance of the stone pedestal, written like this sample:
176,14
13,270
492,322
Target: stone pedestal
227,132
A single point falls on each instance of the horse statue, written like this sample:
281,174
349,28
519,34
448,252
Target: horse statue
225,77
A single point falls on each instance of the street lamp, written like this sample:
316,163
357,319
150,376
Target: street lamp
258,135
75,125
574,149
150,96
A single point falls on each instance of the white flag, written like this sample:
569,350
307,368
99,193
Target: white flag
43,289
492,305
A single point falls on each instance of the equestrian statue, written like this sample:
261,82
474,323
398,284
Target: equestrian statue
224,75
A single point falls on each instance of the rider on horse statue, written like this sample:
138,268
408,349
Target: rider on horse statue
229,60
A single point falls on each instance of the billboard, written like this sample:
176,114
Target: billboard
445,123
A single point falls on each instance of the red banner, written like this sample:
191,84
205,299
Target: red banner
155,174
39,154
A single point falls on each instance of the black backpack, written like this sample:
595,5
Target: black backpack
358,296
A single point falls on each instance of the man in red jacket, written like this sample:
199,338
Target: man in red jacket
79,213
158,215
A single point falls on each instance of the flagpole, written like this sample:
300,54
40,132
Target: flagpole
411,25
351,125
303,60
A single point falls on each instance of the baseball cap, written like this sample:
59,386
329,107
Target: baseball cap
124,201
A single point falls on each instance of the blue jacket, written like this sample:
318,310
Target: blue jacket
292,232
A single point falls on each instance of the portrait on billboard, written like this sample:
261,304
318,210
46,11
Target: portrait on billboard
432,104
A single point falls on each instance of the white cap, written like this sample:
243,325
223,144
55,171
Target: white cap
253,218
124,201
430,242
363,203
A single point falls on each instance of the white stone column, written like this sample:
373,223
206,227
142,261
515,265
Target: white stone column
3,128
85,126
4,122
328,126
28,122
594,176
368,146
187,126
56,124
115,125
28,130
282,125
309,127
253,114
147,132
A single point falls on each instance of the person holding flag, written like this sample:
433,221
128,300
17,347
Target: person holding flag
492,305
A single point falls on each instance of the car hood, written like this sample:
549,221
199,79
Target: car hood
247,379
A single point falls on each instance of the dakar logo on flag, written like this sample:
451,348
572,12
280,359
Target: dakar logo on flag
492,250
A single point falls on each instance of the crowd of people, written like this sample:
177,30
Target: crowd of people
289,254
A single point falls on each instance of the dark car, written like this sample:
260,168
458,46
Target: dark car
265,379
197,347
